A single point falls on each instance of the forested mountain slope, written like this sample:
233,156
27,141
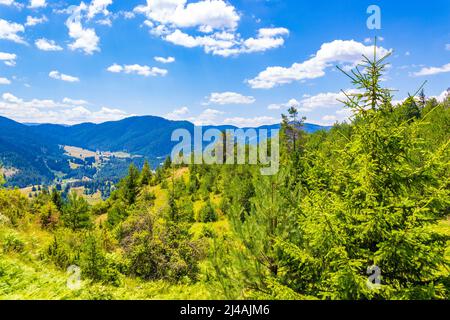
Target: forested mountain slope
35,152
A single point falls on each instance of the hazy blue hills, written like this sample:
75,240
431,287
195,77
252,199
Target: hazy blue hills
147,135
34,149
28,152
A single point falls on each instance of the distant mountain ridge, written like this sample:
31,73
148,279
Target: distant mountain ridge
145,135
35,150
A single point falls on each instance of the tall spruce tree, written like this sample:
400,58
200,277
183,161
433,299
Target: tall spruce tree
76,213
130,185
146,174
376,208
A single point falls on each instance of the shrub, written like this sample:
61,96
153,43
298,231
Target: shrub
157,249
149,197
12,243
116,214
208,213
65,248
76,214
95,264
13,205
49,216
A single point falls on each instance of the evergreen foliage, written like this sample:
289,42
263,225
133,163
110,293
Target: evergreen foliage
370,194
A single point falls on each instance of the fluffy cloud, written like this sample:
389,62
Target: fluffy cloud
37,4
69,111
63,77
7,2
215,22
320,100
224,98
4,81
8,58
32,21
215,117
207,117
10,30
442,96
98,6
268,38
251,122
329,118
325,100
75,102
85,39
339,51
177,114
327,106
137,69
11,3
207,14
47,45
429,71
105,22
165,60
291,103
339,115
227,44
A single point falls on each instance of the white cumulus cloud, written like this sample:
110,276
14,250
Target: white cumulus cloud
177,114
211,24
98,6
47,45
4,81
224,98
7,2
32,21
250,122
206,117
63,77
145,71
8,58
85,39
77,102
37,4
442,96
429,71
291,103
348,52
209,14
165,60
227,44
10,30
325,100
69,111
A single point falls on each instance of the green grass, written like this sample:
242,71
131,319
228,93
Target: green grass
24,276
34,280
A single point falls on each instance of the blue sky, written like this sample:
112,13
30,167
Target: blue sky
208,61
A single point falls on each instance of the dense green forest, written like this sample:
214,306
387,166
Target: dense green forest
372,192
